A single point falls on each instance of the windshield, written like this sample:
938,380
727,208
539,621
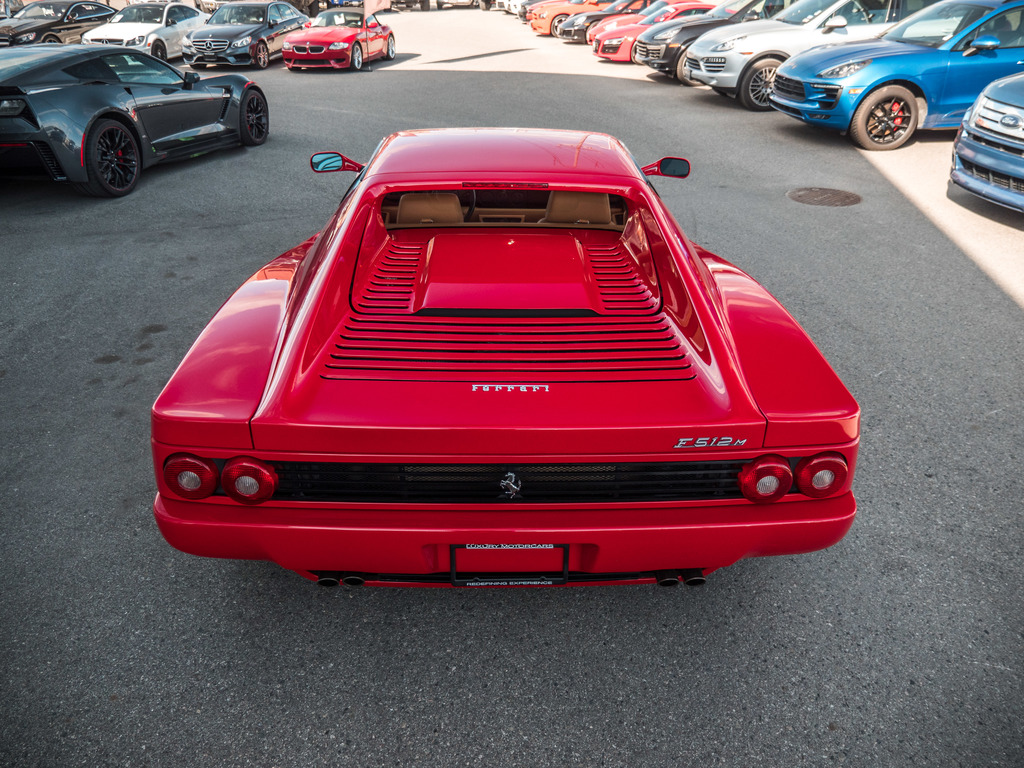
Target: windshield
805,11
42,11
238,14
654,9
142,14
727,9
618,6
338,19
935,25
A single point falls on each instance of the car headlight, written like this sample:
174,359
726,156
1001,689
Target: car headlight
25,38
135,41
976,108
242,43
664,35
615,41
845,70
542,15
728,45
337,46
286,46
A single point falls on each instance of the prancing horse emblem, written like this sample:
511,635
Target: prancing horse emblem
511,485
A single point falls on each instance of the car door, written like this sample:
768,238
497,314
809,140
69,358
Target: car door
375,38
178,22
286,19
970,70
169,112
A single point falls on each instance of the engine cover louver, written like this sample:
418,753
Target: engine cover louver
612,328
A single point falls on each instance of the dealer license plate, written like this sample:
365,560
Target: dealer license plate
509,565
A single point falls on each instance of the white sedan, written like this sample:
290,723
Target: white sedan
156,28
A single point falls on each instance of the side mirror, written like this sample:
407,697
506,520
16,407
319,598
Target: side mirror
190,79
752,16
308,24
271,24
332,162
836,22
171,22
676,167
983,43
72,17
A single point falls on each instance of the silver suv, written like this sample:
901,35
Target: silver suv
741,59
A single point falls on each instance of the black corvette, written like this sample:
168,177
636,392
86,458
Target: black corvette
97,115
53,21
663,45
243,33
574,29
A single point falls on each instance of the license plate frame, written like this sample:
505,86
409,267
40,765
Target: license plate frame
527,579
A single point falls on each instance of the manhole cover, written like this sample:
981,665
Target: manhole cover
819,196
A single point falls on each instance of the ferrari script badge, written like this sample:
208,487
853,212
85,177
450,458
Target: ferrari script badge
511,485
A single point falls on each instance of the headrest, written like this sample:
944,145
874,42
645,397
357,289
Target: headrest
429,208
578,208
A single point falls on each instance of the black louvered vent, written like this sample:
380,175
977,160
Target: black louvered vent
482,483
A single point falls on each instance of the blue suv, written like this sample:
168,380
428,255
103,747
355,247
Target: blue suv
925,72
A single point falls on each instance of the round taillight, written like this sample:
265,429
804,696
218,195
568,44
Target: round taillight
247,480
190,476
821,475
767,478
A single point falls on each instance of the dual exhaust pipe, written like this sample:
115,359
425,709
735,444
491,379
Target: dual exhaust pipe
334,578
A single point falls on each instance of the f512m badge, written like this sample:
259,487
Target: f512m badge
710,442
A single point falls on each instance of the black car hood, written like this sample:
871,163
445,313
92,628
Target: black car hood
24,26
226,31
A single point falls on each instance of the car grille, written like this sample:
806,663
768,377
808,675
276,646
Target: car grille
1011,148
992,113
108,41
210,46
308,48
789,88
1012,183
481,483
649,51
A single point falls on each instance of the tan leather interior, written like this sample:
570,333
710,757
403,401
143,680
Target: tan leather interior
578,208
429,208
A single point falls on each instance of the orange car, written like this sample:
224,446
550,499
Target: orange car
546,17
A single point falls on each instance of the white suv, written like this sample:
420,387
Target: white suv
741,59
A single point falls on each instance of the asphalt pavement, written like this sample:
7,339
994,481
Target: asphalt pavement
903,645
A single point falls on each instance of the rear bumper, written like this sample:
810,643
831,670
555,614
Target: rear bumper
606,544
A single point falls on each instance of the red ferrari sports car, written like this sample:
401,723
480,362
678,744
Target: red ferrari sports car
339,39
501,363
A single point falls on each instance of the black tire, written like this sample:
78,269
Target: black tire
885,119
197,65
111,156
632,54
485,5
756,85
424,5
680,66
389,51
253,118
261,59
558,21
356,62
50,39
159,50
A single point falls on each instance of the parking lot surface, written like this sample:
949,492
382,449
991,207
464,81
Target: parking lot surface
902,645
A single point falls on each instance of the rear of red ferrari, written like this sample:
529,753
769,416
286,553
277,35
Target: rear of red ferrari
506,397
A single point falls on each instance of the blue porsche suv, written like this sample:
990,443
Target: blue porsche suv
925,72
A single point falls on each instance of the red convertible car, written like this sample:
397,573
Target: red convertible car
339,39
501,363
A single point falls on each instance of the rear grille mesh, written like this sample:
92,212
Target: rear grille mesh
481,483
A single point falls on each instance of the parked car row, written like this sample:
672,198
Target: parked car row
876,70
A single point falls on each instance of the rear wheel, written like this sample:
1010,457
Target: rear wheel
756,85
357,57
389,54
886,119
111,157
254,119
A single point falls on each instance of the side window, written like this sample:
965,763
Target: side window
862,12
131,68
186,13
371,21
1007,27
91,69
275,14
178,13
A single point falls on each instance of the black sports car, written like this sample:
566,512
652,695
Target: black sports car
574,29
244,33
663,45
53,21
97,115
